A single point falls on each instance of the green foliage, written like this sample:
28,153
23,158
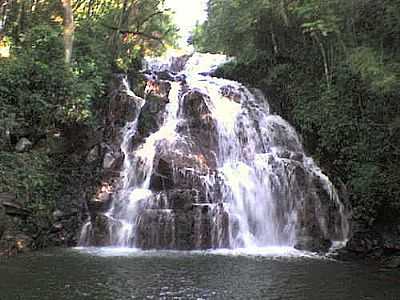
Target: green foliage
379,75
29,176
40,94
332,69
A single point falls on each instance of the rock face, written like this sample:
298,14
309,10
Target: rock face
382,242
12,215
205,165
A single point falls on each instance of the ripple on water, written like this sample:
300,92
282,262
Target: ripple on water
121,274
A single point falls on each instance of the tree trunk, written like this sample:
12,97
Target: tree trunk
68,30
325,60
115,37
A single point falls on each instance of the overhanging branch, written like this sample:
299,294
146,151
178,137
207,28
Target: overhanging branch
136,32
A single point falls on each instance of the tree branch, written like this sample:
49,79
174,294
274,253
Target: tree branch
136,32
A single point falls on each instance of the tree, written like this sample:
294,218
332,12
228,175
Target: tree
333,69
68,30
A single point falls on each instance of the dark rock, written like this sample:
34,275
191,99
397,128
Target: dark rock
182,199
230,92
13,207
124,107
178,63
100,232
100,204
165,75
156,230
184,231
158,88
162,177
53,142
363,242
151,116
392,262
312,244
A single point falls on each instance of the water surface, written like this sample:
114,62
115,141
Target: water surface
129,274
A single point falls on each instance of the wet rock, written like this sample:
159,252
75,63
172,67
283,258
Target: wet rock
156,230
165,75
100,232
158,88
151,116
124,104
194,105
162,177
184,231
312,244
99,204
178,63
200,129
230,92
23,145
363,242
182,199
178,171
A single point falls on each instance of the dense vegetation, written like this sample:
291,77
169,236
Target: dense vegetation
333,69
56,60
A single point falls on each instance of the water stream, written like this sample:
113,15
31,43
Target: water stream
251,185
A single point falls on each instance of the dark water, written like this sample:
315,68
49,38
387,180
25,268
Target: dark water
69,274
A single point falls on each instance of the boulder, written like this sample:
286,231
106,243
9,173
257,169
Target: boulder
93,155
23,145
109,161
159,88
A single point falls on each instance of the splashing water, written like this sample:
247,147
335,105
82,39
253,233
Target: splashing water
250,183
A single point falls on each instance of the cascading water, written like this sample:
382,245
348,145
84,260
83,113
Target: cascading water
218,171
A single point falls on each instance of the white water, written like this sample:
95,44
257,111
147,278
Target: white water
266,177
136,173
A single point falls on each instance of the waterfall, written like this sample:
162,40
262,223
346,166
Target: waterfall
217,170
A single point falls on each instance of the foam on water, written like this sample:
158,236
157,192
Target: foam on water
267,252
